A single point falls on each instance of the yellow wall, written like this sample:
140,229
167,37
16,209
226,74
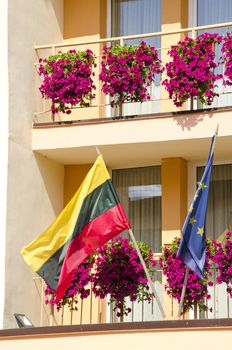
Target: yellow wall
73,177
84,18
174,16
174,197
174,206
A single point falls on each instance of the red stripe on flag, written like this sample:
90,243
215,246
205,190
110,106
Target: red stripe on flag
97,232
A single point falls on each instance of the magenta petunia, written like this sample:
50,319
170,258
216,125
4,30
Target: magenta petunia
191,72
67,80
127,72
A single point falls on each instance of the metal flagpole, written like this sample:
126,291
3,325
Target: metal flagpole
147,273
187,269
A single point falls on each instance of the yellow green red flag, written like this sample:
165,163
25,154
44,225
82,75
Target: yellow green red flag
92,217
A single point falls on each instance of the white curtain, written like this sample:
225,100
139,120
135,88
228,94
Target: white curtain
139,190
213,12
219,210
131,17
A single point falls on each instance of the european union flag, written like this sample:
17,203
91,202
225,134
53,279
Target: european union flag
192,249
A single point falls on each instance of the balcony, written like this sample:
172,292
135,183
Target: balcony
96,311
158,127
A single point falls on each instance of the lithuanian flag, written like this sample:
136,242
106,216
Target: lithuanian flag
92,217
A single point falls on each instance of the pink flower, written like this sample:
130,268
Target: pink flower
191,71
67,80
127,72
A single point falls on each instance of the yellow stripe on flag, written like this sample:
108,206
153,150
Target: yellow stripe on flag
45,245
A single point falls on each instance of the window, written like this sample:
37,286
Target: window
213,12
139,190
131,17
219,210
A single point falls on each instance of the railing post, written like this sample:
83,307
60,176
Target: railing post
120,110
192,99
193,34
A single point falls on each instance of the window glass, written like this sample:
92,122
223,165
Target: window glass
139,190
213,12
131,17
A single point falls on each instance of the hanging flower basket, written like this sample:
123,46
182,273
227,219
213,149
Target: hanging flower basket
119,274
190,73
174,270
223,258
127,72
227,59
67,80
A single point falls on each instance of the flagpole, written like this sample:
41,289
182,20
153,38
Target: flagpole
214,141
147,273
97,150
183,292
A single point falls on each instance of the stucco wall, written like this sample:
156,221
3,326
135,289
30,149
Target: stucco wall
35,184
137,340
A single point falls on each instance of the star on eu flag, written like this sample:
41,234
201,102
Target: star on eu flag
191,208
195,196
202,186
192,220
200,231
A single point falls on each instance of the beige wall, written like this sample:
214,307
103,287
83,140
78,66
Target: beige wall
35,184
201,339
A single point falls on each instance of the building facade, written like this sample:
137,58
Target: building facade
154,151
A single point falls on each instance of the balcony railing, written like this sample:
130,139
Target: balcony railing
96,311
100,107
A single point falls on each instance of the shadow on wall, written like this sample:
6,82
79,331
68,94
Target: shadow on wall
52,175
190,121
58,10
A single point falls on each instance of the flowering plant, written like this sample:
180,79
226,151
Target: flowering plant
67,79
191,71
128,71
227,58
119,273
78,287
174,270
223,258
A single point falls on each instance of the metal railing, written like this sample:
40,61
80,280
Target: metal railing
96,311
100,107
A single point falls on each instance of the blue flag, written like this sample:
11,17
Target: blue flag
192,249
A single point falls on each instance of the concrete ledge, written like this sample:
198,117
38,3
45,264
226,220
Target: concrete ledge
112,328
